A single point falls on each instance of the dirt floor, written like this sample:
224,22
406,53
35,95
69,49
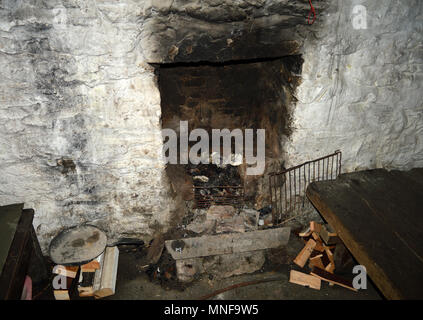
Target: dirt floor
158,282
132,283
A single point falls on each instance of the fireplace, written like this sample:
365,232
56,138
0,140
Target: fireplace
234,95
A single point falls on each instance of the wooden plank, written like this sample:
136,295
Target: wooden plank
66,271
61,295
305,280
330,267
86,285
91,266
98,272
227,243
329,254
392,259
305,233
328,236
391,198
305,253
315,236
108,273
316,253
316,262
315,227
332,278
319,246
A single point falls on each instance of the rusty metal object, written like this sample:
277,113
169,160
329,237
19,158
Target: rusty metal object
288,187
218,195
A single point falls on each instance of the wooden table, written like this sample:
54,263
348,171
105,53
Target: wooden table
19,248
379,217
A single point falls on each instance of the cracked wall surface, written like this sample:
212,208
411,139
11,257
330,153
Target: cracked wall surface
80,132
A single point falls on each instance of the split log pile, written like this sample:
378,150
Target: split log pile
324,252
96,278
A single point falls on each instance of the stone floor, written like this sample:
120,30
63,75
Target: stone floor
142,288
133,284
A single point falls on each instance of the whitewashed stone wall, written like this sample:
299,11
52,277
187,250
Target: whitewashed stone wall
74,85
362,89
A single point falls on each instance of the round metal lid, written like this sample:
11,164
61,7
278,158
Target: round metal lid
77,245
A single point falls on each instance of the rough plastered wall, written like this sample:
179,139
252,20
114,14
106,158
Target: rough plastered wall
362,89
80,137
80,133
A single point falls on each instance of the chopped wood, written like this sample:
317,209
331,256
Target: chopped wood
329,254
61,295
155,250
329,277
108,273
316,262
305,233
315,235
304,280
377,214
98,272
91,266
315,253
86,284
315,227
305,239
316,256
330,267
319,246
328,235
68,271
305,253
227,243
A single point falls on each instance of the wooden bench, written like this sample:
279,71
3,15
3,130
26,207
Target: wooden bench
378,214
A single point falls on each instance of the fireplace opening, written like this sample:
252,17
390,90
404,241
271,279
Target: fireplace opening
248,94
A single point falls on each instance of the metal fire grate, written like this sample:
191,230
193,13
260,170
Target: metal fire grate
220,195
288,187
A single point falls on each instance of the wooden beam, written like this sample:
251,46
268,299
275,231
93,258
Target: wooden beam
227,243
108,273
